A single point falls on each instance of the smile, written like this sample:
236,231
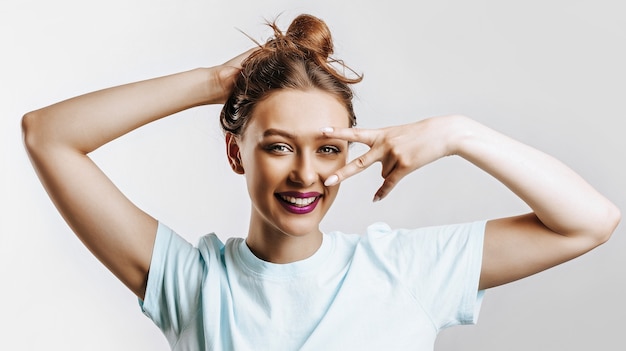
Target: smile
299,203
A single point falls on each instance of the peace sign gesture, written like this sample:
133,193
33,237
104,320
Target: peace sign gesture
400,149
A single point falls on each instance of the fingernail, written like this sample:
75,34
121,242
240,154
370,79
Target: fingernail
332,180
376,198
326,129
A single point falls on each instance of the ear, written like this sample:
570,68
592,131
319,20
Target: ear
232,151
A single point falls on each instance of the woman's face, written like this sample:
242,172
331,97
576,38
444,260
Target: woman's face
285,159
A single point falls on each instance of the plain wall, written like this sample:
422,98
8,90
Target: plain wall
549,73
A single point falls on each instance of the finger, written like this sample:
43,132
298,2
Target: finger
390,182
388,165
237,60
359,135
355,166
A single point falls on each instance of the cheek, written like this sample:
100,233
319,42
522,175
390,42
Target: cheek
266,171
332,167
261,182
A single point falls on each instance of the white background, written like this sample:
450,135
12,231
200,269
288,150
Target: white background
550,73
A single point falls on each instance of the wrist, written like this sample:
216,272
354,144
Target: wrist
460,133
219,83
213,90
205,92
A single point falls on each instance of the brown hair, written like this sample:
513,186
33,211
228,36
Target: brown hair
298,59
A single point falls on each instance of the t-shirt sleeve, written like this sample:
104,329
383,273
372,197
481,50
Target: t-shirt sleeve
172,295
440,266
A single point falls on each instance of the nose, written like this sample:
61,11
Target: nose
304,172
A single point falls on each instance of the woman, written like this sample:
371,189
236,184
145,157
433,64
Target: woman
288,122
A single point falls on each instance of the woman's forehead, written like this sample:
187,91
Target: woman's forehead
297,110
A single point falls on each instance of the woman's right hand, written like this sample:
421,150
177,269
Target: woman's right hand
59,138
225,76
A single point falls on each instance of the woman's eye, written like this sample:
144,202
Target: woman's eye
329,149
278,148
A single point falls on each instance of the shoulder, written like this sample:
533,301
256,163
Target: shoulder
171,246
382,234
379,233
402,247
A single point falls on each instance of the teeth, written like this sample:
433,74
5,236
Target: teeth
298,201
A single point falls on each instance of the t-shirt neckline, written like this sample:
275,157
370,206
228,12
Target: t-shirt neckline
285,270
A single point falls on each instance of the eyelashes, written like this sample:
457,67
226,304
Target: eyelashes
279,148
283,148
329,149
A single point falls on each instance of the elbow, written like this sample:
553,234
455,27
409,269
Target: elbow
610,220
31,131
616,217
28,126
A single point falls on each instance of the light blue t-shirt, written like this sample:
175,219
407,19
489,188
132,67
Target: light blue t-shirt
384,290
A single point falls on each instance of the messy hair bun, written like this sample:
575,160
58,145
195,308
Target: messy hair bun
298,59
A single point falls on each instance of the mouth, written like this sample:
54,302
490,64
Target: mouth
299,203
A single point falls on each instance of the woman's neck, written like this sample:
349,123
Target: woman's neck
278,247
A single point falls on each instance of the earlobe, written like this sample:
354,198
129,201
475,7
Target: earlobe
233,153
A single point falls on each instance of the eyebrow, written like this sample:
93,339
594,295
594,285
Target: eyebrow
273,132
279,132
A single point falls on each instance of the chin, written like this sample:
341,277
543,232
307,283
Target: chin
300,228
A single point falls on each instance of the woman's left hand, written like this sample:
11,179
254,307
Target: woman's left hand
400,149
568,216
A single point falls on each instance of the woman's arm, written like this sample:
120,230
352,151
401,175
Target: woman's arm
59,137
569,217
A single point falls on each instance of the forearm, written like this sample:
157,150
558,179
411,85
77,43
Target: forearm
560,198
86,122
569,217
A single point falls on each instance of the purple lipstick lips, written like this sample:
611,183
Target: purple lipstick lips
299,203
